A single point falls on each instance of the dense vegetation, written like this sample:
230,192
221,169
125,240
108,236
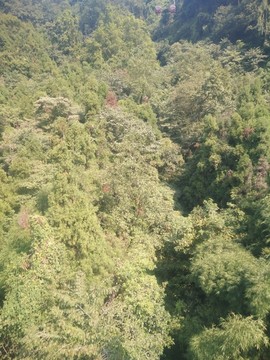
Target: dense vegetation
135,158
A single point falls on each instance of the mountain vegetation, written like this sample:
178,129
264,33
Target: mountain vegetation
134,180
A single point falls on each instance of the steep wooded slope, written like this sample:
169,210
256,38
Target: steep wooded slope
134,180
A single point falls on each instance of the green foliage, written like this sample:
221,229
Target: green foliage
35,11
64,33
230,159
212,276
91,11
195,20
17,37
200,86
105,138
257,226
118,37
46,309
138,152
233,340
121,46
92,239
142,111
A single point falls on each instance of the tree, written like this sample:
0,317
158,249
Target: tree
48,311
234,339
38,12
217,286
64,33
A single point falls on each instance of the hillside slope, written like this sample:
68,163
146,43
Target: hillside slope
134,214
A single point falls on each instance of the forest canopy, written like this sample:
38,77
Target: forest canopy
134,180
